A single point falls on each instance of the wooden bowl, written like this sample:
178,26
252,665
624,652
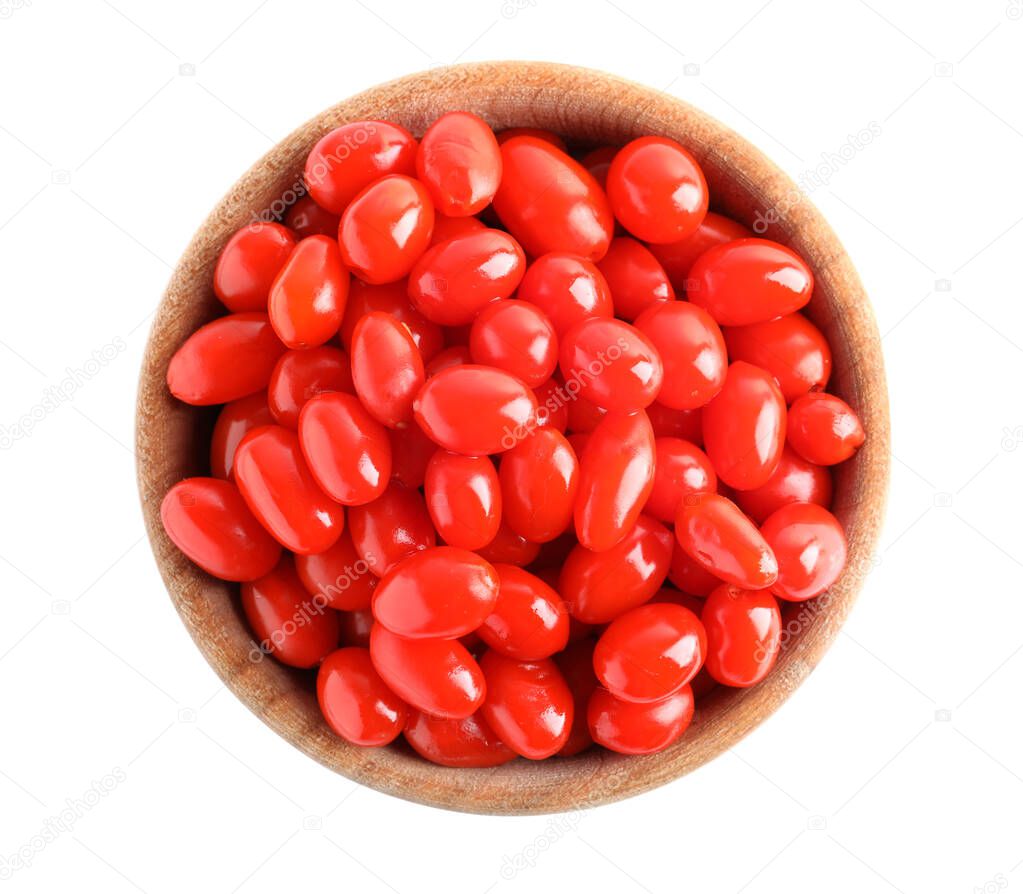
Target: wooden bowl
593,108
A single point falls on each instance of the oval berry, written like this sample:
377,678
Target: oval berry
549,202
749,281
743,635
209,521
387,368
347,450
463,496
790,348
539,480
714,532
639,727
528,704
307,299
393,526
232,357
440,592
386,229
282,493
616,478
352,156
475,410
657,190
744,427
810,546
355,701
635,277
466,742
568,288
456,279
680,469
794,481
459,161
824,429
297,629
650,652
339,574
517,337
614,364
437,676
301,375
597,587
247,266
529,621
692,349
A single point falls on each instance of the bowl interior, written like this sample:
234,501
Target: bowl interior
586,107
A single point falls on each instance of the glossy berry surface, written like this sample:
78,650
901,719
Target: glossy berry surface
442,592
437,676
275,480
459,161
295,628
475,410
715,533
307,299
347,450
351,157
657,190
743,635
528,704
463,496
549,202
650,652
744,427
529,621
639,727
209,521
386,229
749,281
249,263
355,701
809,544
824,429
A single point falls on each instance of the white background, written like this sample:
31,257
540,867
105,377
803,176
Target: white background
898,766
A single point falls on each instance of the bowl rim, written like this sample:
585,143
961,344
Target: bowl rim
592,106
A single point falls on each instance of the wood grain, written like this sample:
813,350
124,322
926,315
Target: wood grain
591,107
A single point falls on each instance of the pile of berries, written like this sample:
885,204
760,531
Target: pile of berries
482,400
